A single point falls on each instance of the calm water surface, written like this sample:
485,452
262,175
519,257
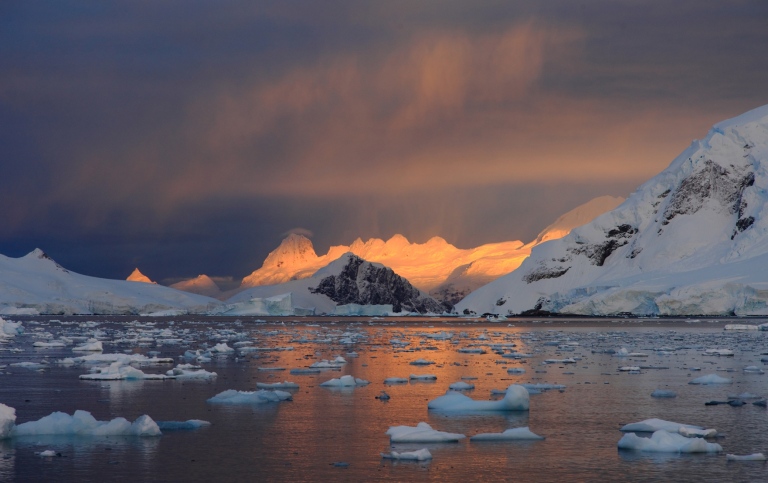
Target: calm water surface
300,440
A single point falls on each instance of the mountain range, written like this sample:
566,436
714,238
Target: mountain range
437,267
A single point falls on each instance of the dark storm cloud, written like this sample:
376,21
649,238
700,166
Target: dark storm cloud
188,137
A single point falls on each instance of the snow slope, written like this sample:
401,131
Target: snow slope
201,285
35,283
346,286
691,241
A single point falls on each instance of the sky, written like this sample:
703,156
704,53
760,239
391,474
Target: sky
188,137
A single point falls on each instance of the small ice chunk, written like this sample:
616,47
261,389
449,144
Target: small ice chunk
663,393
461,386
421,362
423,377
515,399
182,425
665,442
513,434
748,457
222,348
421,433
92,345
418,455
277,385
710,379
182,372
345,381
515,370
395,380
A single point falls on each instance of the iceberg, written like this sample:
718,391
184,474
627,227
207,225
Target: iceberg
232,396
10,329
513,434
7,420
665,442
421,433
516,398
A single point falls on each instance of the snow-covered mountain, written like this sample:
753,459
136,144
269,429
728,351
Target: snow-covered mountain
201,285
446,272
691,241
467,278
35,284
346,286
137,276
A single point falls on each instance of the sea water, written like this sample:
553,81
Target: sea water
338,434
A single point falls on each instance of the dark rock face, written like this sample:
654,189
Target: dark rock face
361,282
615,238
711,182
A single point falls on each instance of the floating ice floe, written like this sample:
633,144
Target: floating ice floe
222,348
49,345
461,386
232,396
515,399
421,362
119,371
81,423
326,364
421,433
741,327
90,346
122,358
629,369
748,457
654,424
418,455
753,370
33,366
663,393
719,352
569,360
513,434
710,379
395,380
182,425
188,371
665,442
345,381
423,377
277,385
515,370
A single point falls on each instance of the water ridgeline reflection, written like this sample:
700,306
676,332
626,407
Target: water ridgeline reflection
326,433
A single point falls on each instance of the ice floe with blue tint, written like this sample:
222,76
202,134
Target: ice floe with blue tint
421,433
516,398
232,396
